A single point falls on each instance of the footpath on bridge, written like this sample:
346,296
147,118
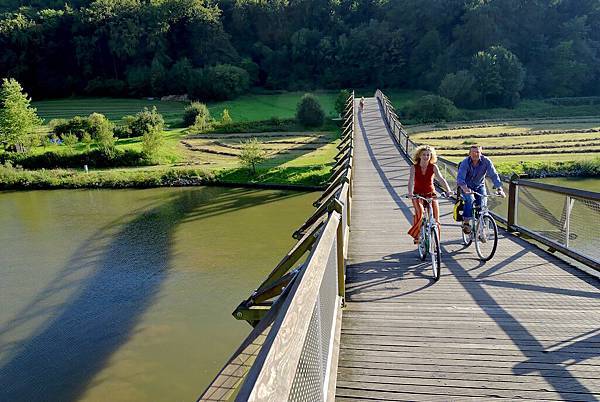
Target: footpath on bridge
524,325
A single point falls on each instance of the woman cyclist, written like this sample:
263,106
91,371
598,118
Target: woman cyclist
421,183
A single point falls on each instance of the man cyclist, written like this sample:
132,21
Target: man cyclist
471,178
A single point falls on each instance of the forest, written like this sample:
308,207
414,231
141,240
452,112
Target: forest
477,53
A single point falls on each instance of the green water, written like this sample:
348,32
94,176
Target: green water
126,295
586,183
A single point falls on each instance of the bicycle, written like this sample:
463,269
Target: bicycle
429,238
484,231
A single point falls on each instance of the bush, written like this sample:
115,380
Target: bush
77,126
96,125
95,158
194,110
340,101
431,108
309,112
260,126
151,142
145,121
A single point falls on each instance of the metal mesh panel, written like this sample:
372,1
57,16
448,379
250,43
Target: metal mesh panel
571,222
542,212
583,224
308,381
310,375
498,205
328,300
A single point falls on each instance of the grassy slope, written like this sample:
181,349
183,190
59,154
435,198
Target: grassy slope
295,166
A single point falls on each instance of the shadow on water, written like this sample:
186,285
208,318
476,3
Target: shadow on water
111,281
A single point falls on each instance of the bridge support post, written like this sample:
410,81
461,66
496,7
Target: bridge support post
513,199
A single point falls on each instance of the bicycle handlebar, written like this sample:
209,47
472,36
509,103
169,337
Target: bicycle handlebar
417,196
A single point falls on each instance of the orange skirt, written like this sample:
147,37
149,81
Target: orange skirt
415,229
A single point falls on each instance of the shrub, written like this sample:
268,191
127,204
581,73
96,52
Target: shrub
95,158
340,101
145,121
99,126
69,140
77,126
151,142
309,112
431,108
193,110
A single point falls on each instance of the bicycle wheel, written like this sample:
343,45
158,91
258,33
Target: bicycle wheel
486,237
423,242
436,253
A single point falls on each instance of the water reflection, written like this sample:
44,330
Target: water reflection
54,346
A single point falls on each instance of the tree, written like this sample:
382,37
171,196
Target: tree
459,88
224,81
252,154
309,112
17,118
432,108
499,76
225,118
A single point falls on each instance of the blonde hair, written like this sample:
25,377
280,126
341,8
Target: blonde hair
422,148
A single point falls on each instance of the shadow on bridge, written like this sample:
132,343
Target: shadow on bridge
556,357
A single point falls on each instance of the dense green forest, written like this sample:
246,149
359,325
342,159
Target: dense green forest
474,52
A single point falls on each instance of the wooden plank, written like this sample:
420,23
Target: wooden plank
523,325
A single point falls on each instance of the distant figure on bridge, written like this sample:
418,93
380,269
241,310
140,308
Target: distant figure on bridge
471,178
361,103
420,183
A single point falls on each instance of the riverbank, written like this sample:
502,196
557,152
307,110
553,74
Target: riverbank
299,178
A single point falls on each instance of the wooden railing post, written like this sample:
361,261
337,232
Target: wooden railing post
512,202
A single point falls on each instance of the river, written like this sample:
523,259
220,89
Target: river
126,295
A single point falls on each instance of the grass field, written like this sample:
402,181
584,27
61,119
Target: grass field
250,107
558,140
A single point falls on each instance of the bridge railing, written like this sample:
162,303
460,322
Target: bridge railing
564,219
291,354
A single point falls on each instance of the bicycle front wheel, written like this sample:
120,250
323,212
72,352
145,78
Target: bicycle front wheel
486,237
423,243
436,254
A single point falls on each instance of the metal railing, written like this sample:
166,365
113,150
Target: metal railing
564,219
291,354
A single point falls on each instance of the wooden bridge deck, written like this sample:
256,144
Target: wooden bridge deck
525,325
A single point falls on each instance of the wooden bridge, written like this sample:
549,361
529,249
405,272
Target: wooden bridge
525,325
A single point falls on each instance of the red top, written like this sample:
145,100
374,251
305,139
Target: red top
424,181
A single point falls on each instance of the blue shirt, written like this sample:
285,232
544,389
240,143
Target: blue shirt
474,176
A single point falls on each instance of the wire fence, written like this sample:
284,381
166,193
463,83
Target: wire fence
564,219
